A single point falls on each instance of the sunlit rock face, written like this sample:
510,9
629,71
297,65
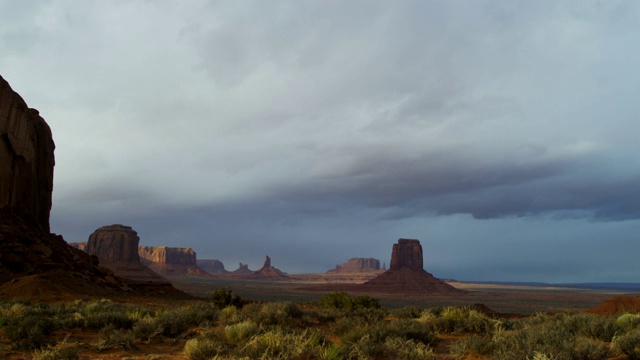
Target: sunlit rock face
26,158
171,261
357,265
116,247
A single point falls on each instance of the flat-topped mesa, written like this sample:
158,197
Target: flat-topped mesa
357,265
114,243
26,158
171,261
116,246
406,253
212,266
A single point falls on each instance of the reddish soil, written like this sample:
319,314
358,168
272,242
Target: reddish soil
617,306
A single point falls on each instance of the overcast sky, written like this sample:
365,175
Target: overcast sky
501,134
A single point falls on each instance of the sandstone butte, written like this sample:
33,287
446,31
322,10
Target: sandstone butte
267,272
35,264
116,246
212,266
171,261
357,265
243,269
406,274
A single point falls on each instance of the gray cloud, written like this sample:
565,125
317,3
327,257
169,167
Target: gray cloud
245,128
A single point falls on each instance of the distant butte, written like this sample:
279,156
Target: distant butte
357,265
116,246
171,261
406,274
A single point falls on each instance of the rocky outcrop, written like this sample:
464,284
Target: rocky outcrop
406,275
26,158
407,253
212,266
243,269
171,261
268,271
79,245
116,246
35,264
357,265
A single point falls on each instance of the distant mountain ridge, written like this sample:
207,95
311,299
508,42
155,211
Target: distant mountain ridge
592,286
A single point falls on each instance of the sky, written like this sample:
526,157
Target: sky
501,134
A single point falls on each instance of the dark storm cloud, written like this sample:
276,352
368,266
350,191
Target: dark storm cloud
309,128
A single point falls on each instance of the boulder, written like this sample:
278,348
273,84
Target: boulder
171,261
26,158
116,246
212,266
357,265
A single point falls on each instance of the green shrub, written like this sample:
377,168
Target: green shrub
240,332
61,351
279,344
342,300
148,329
181,319
399,348
28,332
204,349
112,337
407,312
274,313
628,322
224,297
628,344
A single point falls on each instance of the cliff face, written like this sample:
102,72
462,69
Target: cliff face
406,253
357,265
212,266
114,243
116,246
26,158
171,261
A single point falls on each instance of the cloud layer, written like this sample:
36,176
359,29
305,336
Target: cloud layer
308,125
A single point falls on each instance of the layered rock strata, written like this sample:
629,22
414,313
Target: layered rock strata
357,265
116,246
171,261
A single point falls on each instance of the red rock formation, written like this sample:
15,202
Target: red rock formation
212,266
406,253
268,271
243,269
26,158
171,261
35,264
116,246
357,265
406,275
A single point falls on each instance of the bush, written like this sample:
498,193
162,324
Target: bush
204,349
628,344
28,332
278,344
181,319
224,297
111,337
61,351
275,313
240,332
342,300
